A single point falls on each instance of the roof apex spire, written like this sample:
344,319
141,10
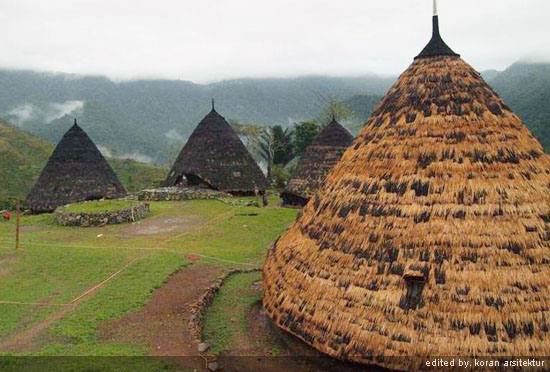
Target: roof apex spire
436,46
213,105
333,113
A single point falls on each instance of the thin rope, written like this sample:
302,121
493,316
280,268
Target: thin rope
105,281
78,298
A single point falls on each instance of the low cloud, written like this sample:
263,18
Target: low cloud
105,151
173,135
28,112
142,158
136,156
22,113
58,110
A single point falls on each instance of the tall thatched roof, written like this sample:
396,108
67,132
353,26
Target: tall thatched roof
215,155
314,165
75,172
430,237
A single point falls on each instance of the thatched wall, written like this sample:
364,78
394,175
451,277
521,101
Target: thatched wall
431,235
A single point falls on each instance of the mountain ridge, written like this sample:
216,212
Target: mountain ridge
149,120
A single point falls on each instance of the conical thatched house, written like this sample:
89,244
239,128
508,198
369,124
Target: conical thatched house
431,236
75,172
215,157
316,162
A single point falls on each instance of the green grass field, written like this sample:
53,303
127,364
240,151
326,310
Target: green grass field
58,264
226,318
98,206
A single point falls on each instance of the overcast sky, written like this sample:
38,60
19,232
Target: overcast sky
209,40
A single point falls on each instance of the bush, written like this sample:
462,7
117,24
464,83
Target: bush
279,176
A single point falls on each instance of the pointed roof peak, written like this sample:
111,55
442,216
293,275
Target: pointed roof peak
333,118
76,126
213,105
436,46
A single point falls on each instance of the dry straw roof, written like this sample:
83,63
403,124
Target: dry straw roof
75,172
431,235
215,154
317,161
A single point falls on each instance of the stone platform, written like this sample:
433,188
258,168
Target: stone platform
127,215
179,194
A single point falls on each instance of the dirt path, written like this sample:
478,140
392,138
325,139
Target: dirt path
25,339
163,323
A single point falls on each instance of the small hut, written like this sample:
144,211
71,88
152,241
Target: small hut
75,172
214,157
430,237
316,162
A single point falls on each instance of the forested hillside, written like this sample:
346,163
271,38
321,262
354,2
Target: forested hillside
149,120
141,119
526,89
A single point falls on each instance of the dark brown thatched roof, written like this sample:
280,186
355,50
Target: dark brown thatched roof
430,237
316,162
75,172
215,154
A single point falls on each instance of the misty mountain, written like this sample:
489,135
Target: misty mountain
525,87
149,120
146,120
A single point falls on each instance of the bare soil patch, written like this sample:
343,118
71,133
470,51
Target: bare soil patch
162,225
163,323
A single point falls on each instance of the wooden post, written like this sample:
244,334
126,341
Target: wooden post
17,224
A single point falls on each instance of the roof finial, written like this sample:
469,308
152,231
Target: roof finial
213,103
75,121
436,46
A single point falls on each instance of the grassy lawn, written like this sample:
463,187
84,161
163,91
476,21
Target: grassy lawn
57,264
98,206
225,320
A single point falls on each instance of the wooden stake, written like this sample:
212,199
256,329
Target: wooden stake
17,224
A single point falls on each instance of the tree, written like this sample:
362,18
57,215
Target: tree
266,150
331,108
304,133
282,145
248,133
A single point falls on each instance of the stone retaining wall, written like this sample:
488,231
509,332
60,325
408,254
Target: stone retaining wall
135,213
198,310
179,194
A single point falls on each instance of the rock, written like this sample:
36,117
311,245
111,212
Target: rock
213,366
203,347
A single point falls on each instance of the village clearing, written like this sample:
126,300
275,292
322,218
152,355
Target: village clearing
124,290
